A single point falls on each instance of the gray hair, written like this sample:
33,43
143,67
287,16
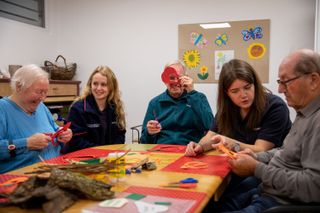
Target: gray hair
175,62
27,75
308,62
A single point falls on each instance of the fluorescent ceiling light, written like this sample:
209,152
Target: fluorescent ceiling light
218,25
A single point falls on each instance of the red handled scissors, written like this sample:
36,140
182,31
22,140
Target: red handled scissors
57,133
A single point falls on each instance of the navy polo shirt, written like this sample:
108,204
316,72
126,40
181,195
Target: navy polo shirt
274,126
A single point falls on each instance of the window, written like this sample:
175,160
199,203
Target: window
27,11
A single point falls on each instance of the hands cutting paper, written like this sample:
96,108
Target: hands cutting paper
64,134
40,140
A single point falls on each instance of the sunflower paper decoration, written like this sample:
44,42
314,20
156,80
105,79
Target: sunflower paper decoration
256,50
191,58
203,75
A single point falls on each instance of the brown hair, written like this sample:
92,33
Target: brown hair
227,110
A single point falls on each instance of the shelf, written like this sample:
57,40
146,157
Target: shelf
59,90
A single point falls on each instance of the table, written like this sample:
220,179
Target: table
209,186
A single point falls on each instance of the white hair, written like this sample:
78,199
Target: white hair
175,62
27,75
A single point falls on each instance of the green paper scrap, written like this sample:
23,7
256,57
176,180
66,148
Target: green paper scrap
134,196
91,161
163,203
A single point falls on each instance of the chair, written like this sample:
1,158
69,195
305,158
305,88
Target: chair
294,208
136,129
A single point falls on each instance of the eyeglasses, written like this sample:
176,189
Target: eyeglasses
284,83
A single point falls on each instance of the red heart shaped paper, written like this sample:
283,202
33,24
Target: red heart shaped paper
170,76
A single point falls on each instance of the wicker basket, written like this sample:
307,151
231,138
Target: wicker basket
56,72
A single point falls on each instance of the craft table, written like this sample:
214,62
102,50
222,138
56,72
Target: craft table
169,160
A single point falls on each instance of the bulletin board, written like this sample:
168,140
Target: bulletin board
204,51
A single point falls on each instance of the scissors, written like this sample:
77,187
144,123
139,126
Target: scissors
180,185
54,135
189,180
185,183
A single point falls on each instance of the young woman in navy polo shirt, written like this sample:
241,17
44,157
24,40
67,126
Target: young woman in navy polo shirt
248,114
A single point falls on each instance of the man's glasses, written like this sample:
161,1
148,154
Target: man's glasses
284,83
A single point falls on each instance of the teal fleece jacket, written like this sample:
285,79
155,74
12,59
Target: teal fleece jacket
185,119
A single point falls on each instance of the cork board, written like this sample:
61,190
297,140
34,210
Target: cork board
205,50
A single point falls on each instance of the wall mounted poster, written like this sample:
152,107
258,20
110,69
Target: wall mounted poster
204,51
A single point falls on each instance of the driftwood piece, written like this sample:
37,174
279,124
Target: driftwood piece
36,193
60,191
92,189
59,200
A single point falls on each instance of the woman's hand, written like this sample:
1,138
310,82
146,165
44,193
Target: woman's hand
216,140
38,141
193,149
153,127
65,136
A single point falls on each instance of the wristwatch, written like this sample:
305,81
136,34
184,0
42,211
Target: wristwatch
236,147
12,149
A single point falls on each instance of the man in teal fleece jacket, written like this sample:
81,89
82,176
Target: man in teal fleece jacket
178,115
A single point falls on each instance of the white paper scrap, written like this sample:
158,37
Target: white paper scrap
115,203
144,207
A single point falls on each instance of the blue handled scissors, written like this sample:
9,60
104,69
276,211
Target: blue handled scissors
189,180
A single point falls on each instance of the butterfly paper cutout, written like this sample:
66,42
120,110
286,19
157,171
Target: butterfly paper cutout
221,39
198,40
255,33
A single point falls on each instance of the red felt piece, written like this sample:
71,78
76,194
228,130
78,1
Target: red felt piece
217,165
172,193
3,189
168,148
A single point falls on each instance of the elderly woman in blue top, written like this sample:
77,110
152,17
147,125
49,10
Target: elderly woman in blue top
24,119
179,115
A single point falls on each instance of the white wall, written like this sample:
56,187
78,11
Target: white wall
137,37
317,28
22,43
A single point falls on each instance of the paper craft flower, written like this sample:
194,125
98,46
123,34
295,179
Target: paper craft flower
191,58
203,73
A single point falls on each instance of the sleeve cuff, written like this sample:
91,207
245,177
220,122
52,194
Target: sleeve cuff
258,172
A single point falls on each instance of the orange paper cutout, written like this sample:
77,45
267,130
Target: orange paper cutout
194,165
227,151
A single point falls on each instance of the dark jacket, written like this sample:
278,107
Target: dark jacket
87,127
